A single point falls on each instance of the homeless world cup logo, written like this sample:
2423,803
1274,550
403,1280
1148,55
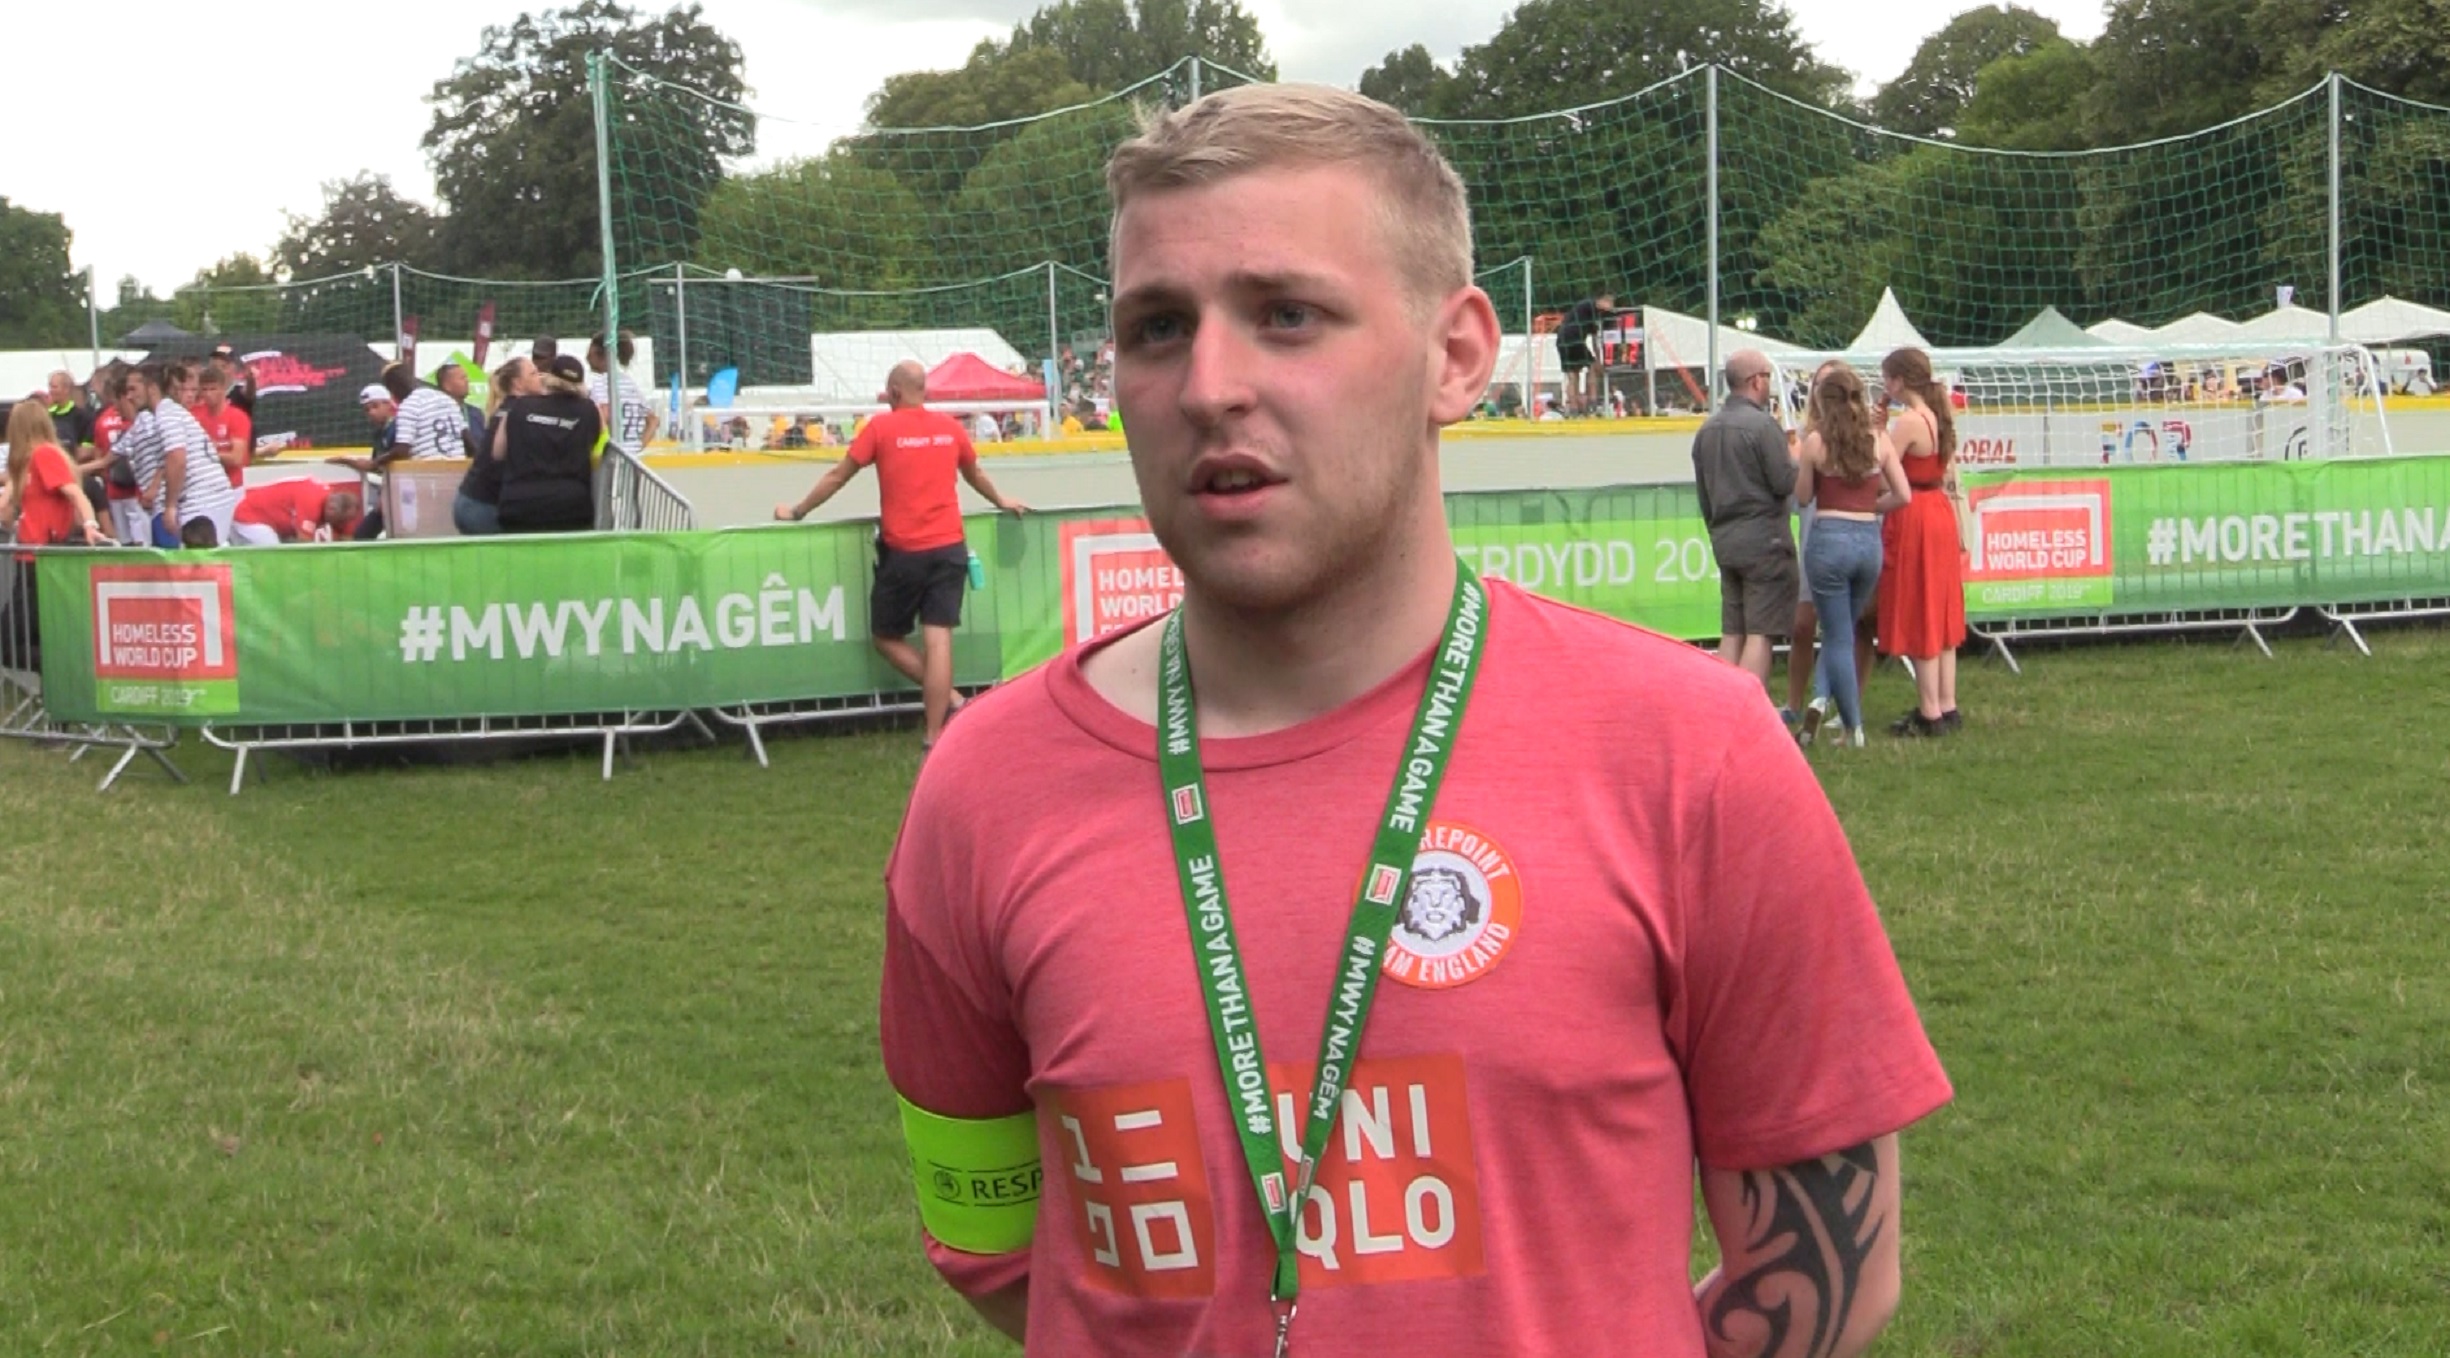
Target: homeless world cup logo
2039,542
1115,576
165,640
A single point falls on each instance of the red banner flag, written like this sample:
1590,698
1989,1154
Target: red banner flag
484,335
408,342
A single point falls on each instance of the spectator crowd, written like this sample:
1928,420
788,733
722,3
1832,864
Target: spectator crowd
156,453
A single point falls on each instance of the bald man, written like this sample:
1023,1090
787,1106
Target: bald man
922,559
1745,472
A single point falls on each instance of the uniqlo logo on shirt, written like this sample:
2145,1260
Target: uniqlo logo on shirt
1396,1198
1139,1188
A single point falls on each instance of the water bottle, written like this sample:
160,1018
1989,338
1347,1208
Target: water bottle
978,572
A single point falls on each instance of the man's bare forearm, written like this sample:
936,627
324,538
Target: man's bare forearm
1811,1249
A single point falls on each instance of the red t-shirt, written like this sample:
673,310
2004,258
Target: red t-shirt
47,517
917,453
233,436
293,509
1638,938
108,426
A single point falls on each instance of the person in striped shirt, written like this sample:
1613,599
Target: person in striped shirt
177,474
429,424
638,417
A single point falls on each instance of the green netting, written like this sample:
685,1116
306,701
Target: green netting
369,305
940,229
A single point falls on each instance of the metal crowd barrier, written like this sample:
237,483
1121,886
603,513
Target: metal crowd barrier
23,715
2248,623
2344,617
613,728
631,498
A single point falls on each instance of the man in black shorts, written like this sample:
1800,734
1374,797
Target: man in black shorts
922,559
1745,472
1574,338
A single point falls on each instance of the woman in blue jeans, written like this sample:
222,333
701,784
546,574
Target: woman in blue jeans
1847,469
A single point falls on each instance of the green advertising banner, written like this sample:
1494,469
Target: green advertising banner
507,626
530,626
2177,538
1635,552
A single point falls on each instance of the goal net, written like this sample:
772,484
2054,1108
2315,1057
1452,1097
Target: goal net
2118,405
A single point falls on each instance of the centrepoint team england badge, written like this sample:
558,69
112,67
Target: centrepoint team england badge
1461,914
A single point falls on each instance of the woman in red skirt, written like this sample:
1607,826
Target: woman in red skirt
1922,575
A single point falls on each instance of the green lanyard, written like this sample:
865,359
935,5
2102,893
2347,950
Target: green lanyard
1219,958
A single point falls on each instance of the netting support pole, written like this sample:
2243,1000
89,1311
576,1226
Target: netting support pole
1710,378
680,309
1531,348
1195,79
2333,302
398,318
1054,348
93,320
600,88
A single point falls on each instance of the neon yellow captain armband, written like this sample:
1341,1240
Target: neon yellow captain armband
977,1178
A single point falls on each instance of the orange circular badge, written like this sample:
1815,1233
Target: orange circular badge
1461,913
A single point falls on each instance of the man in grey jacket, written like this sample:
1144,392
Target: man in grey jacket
1745,472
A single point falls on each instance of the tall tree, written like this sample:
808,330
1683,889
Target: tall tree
2172,66
364,222
994,86
1110,44
136,305
42,301
2401,48
1410,80
513,139
234,295
2033,102
1929,97
1553,54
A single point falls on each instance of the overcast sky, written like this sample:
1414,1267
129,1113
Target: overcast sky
288,103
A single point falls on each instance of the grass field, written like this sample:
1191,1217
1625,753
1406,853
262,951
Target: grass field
503,1060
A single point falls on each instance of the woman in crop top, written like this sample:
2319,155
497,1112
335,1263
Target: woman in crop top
1849,471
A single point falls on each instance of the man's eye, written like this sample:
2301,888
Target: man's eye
1290,315
1156,329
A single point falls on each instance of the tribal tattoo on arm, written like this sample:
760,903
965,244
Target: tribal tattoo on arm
1811,1235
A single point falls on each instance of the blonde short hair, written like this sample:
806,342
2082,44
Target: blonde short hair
1249,128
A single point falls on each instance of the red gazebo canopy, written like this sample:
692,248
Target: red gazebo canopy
967,377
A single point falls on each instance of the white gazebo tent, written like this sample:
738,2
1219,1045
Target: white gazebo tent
1888,329
2286,324
2202,327
2388,320
2116,331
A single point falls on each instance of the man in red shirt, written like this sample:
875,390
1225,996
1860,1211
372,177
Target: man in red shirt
301,509
1555,901
230,429
922,560
126,508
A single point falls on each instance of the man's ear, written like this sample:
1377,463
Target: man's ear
1463,339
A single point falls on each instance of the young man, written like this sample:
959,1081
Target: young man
232,433
1744,472
127,506
301,509
1129,882
1575,336
177,474
639,418
452,381
922,559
